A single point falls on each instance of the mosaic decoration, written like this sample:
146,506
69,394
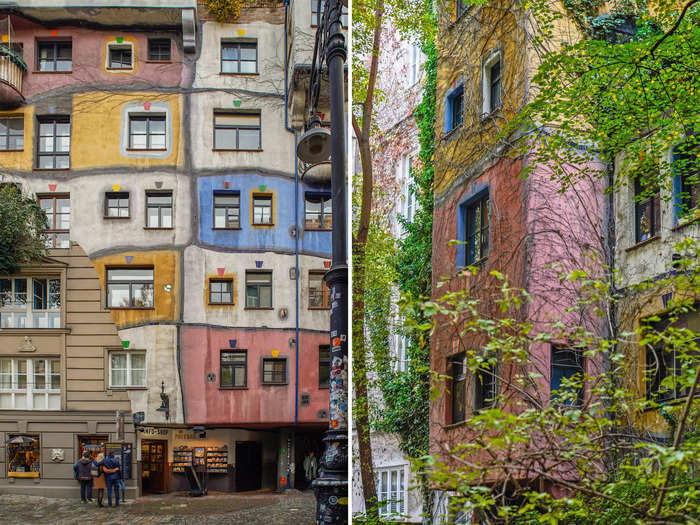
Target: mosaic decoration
258,264
326,264
237,103
232,343
283,314
126,344
262,187
220,271
159,184
53,32
57,455
147,106
227,184
5,38
52,109
241,32
274,353
116,187
129,258
167,287
52,187
120,39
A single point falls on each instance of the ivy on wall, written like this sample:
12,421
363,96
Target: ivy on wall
224,10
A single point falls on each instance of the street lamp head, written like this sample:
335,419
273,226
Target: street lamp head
314,145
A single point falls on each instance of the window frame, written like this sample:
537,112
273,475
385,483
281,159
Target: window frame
653,202
258,285
237,128
482,203
155,41
239,44
131,283
52,231
579,367
229,281
54,154
55,44
481,390
29,391
324,362
160,207
458,381
215,206
316,15
323,216
129,369
254,206
686,193
391,505
148,118
490,106
233,366
265,360
325,291
8,135
118,195
120,49
409,207
31,315
451,113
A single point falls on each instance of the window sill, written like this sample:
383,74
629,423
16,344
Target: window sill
233,388
319,308
495,112
158,61
274,384
52,72
221,304
225,229
22,474
116,218
682,225
126,388
139,150
660,405
222,73
644,242
265,225
318,229
452,426
324,387
131,307
154,228
51,169
10,150
446,135
120,69
229,150
22,331
258,308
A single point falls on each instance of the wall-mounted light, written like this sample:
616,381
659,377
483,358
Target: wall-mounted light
164,402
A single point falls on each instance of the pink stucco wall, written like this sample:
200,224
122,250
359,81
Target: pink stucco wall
257,405
89,52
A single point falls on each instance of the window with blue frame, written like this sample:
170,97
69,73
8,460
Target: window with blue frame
477,230
454,108
686,166
566,365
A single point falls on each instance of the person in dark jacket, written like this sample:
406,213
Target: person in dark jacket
111,469
82,470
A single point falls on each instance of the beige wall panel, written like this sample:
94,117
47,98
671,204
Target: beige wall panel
48,344
83,373
58,439
56,426
83,284
86,386
84,351
99,405
83,306
103,340
83,295
81,273
92,329
50,470
103,318
8,426
85,362
97,396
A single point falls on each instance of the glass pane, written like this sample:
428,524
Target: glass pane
3,142
229,51
138,126
138,378
248,139
40,374
259,278
46,129
16,142
225,139
20,320
15,126
64,65
139,141
65,51
117,295
63,205
63,129
248,67
237,119
45,144
40,294
117,360
252,299
126,274
157,125
166,216
152,220
219,217
228,66
138,361
5,292
226,200
249,51
239,376
46,162
118,378
226,376
143,295
158,142
54,319
20,292
160,199
265,296
62,162
63,144
62,240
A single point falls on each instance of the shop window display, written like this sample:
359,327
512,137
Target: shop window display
24,456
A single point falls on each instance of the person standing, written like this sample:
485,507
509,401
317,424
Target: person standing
111,470
98,478
310,468
83,475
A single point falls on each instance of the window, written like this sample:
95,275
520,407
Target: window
461,7
274,371
227,210
318,211
159,49
12,134
147,132
127,369
485,387
401,342
54,56
30,302
319,293
454,108
258,289
566,364
317,16
667,362
234,368
477,230
324,366
491,83
415,62
116,204
221,291
262,209
159,209
458,371
120,57
53,152
30,384
686,163
57,210
239,57
237,131
391,491
130,288
409,200
647,210
23,456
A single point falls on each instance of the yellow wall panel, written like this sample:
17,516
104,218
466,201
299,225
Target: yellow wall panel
20,160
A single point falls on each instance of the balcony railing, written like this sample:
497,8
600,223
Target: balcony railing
12,69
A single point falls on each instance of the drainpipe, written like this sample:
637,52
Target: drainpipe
296,218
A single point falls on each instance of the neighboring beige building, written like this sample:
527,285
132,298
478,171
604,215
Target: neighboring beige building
56,337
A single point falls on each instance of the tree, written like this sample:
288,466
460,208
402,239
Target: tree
21,224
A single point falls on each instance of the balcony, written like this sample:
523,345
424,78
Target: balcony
12,69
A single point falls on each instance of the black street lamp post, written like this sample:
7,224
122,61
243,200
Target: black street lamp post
331,486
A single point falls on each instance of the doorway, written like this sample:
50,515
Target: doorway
305,442
154,471
248,465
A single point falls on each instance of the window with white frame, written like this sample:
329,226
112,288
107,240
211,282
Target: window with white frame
30,384
491,76
401,346
127,369
416,59
30,302
408,198
120,56
391,490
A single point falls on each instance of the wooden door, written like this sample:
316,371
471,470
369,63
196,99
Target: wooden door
154,456
248,465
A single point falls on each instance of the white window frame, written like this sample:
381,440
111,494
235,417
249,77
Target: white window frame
30,392
489,61
129,368
415,61
408,200
10,315
119,45
392,503
400,361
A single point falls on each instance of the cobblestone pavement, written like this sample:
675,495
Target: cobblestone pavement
251,508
